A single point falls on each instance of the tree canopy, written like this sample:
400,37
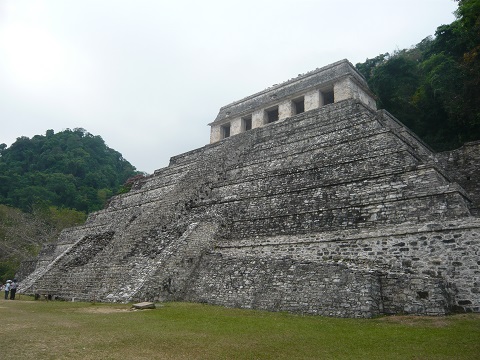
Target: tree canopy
433,87
71,169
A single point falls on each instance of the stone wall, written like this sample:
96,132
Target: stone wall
463,166
417,269
286,284
338,211
315,287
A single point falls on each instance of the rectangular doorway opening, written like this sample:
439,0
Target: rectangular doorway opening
328,97
272,115
225,131
299,105
247,123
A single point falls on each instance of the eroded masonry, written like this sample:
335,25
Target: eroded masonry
307,199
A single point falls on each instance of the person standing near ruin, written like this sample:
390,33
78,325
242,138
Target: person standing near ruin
13,289
7,289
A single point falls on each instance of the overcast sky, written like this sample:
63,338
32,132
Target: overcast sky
149,75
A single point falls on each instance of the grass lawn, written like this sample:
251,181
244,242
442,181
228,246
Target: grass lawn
65,330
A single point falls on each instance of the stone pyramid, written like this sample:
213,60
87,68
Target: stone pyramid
306,200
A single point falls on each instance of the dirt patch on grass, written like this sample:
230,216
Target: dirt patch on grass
103,310
429,321
14,326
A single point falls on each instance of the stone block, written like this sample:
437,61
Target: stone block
144,305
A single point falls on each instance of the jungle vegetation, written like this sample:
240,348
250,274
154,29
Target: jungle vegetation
433,87
71,169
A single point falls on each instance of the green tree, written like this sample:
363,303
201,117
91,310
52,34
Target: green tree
433,87
72,169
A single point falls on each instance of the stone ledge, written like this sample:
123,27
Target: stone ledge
355,234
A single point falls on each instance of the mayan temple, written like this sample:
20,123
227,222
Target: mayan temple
308,199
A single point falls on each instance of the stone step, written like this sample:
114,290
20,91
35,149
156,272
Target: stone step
327,170
378,142
359,187
425,208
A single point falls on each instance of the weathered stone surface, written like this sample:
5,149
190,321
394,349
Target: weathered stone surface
335,82
339,211
144,305
462,165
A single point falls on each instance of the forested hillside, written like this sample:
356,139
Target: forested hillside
71,169
433,87
51,182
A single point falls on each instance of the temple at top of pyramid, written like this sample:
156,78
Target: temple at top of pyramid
307,199
333,83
